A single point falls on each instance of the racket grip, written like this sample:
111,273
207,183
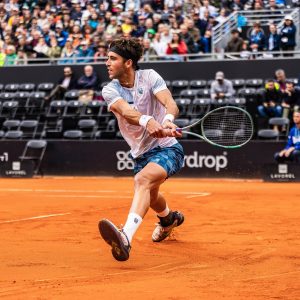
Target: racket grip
179,130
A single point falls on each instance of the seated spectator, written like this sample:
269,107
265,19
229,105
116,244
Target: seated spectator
41,49
290,99
177,47
205,42
188,39
281,79
207,7
68,53
2,55
159,45
65,83
54,50
61,35
273,39
291,152
271,101
10,55
87,83
22,58
101,52
245,53
257,38
85,54
149,52
221,88
288,35
235,44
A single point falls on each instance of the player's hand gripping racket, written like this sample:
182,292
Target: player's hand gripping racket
226,127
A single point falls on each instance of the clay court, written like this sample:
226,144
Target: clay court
240,240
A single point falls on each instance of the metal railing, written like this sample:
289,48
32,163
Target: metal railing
170,58
221,32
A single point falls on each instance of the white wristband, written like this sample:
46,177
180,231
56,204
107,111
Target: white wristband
168,117
144,119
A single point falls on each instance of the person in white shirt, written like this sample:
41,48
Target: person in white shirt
145,110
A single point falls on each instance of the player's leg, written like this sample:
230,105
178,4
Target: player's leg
150,177
168,219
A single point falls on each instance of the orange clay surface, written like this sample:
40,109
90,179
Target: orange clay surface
240,240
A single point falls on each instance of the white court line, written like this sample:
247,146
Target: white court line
85,196
35,218
199,195
58,191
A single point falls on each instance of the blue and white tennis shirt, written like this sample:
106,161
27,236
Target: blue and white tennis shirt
141,97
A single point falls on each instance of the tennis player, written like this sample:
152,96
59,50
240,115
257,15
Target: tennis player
145,110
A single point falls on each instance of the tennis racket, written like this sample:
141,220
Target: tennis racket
227,127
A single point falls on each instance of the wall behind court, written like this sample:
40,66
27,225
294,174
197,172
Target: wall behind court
110,158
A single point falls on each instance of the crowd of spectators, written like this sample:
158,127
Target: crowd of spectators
80,31
271,40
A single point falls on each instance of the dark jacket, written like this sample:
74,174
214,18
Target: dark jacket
88,83
276,42
234,45
272,95
287,35
72,84
292,100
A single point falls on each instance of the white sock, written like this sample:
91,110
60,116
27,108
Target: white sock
165,212
132,224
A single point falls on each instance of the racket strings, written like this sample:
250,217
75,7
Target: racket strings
228,127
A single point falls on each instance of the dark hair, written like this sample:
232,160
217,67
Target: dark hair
128,49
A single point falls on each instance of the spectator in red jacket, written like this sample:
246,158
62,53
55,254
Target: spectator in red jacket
177,47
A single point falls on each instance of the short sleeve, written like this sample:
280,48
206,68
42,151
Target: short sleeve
157,84
110,94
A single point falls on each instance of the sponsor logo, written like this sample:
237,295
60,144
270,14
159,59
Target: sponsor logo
124,161
4,157
283,173
216,162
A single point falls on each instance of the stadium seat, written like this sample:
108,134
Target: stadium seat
183,105
9,109
72,134
238,83
188,93
91,109
178,86
237,101
22,98
13,135
1,134
45,87
72,95
197,84
11,87
109,132
219,102
29,128
7,96
281,125
268,134
11,125
34,150
36,102
254,83
27,87
1,87
294,80
199,107
73,108
88,127
213,133
203,93
53,116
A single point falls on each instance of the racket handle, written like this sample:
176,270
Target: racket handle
179,130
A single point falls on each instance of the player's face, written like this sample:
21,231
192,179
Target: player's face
115,65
